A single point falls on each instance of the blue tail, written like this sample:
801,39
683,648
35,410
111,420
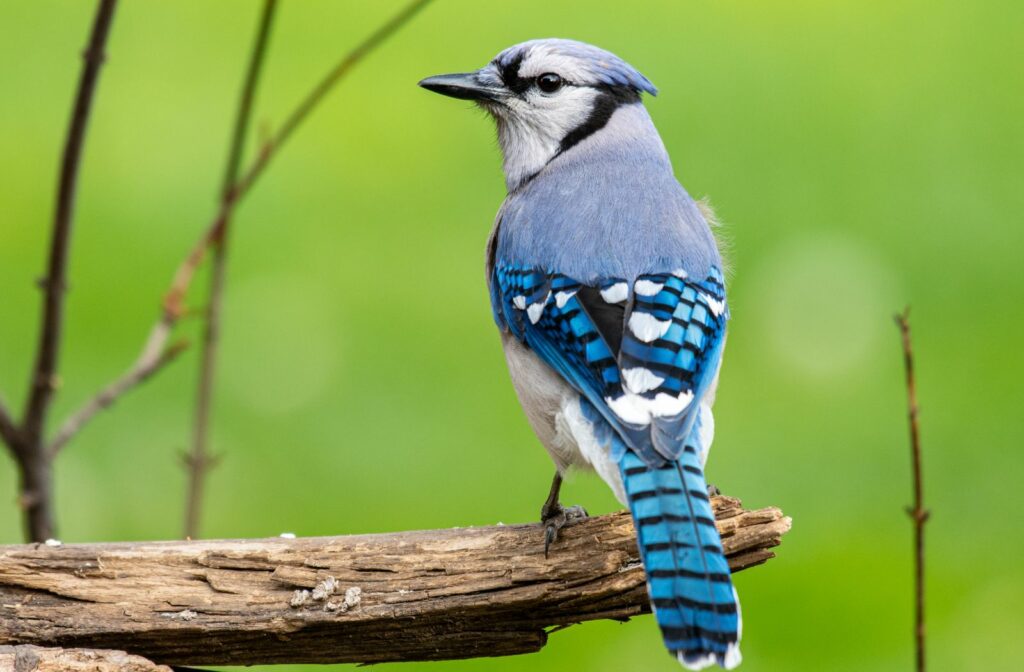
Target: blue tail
687,575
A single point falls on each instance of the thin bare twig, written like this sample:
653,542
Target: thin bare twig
174,299
28,442
917,512
8,428
174,308
154,356
315,96
243,115
198,461
145,367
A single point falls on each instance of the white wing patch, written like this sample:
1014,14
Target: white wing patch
537,309
639,379
647,327
637,410
647,287
562,298
617,293
716,306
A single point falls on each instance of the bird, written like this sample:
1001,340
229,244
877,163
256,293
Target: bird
606,285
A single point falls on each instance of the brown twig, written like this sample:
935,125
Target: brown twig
917,512
215,237
315,96
198,461
154,356
145,367
174,299
243,115
174,309
8,428
27,442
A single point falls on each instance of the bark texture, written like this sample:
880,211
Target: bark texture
424,595
40,659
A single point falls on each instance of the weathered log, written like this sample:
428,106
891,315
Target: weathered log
423,595
42,659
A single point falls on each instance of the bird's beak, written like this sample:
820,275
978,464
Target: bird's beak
464,85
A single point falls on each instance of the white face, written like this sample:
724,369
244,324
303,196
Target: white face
548,98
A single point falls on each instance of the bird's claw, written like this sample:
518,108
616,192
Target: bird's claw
556,518
713,490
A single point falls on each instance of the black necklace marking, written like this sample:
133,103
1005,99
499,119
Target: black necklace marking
609,100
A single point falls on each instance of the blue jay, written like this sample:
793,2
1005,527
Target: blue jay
606,285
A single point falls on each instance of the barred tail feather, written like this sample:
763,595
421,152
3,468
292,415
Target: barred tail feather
688,578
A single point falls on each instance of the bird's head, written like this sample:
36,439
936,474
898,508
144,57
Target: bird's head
546,96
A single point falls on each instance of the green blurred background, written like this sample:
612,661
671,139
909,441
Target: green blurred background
863,154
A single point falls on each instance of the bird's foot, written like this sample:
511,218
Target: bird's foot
713,490
555,517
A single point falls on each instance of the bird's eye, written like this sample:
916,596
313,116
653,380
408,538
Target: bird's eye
549,82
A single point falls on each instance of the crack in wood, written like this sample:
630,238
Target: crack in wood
424,595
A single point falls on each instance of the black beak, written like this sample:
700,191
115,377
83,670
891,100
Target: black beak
464,85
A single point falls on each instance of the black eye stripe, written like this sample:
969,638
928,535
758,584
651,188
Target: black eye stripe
509,72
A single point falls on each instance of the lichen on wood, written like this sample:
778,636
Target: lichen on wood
422,595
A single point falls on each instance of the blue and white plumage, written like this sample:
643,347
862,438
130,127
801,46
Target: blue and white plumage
606,285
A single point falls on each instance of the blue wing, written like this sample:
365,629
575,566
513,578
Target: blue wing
642,353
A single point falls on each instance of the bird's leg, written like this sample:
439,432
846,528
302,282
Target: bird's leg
551,505
555,516
713,490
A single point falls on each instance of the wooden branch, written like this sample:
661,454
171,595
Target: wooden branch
424,595
34,465
40,659
55,282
